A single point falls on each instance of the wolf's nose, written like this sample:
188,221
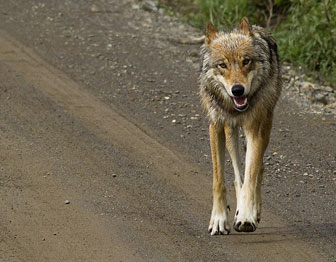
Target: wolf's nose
238,90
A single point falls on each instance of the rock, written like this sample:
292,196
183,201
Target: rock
331,106
67,202
328,89
316,97
320,98
286,77
306,87
161,11
150,6
194,54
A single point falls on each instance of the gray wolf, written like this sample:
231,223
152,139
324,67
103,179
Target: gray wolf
240,85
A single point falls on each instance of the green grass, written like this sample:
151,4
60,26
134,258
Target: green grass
305,29
309,40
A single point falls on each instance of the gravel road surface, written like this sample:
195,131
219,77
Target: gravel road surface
104,151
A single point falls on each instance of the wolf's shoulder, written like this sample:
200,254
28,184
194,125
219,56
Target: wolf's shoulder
264,34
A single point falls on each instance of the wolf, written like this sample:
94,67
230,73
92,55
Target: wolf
240,83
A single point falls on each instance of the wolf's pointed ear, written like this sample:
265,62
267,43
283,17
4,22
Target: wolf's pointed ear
210,33
245,27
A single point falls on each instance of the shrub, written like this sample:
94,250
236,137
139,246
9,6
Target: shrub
224,13
308,36
228,13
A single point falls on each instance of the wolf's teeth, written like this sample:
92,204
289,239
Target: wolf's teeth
240,107
240,104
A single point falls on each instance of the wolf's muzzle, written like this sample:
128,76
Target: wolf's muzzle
239,100
237,90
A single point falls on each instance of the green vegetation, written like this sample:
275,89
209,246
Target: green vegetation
305,29
308,36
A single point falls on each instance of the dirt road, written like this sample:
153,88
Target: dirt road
98,106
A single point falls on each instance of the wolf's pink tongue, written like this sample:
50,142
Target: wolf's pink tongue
239,100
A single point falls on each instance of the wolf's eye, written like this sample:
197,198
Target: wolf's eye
246,61
222,65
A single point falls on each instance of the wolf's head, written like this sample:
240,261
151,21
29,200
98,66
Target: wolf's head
232,62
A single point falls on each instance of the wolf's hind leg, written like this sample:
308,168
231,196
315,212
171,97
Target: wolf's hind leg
232,145
219,215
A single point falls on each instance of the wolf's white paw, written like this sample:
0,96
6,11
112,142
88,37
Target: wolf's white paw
219,221
246,216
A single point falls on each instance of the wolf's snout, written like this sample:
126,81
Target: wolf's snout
237,90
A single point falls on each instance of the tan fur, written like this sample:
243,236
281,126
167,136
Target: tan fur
210,33
246,56
217,140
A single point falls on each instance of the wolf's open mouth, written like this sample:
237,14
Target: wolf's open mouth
240,103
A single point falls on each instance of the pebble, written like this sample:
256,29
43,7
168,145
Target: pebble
67,202
328,89
149,6
331,106
307,87
194,54
320,98
94,9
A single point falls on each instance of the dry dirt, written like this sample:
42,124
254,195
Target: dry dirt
99,107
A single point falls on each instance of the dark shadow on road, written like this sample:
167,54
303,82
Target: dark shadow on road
315,232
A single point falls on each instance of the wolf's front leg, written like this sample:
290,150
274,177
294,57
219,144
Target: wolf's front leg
249,202
219,214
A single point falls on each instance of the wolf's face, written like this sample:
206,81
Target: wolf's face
232,63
